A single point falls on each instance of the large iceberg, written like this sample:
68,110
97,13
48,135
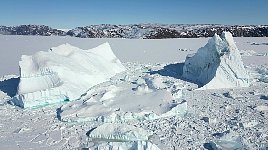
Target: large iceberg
64,73
217,65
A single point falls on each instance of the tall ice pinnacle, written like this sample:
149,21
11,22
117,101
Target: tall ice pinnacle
217,65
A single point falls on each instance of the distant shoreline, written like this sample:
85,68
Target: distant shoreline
140,31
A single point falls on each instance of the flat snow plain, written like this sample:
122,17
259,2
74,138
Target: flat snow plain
228,118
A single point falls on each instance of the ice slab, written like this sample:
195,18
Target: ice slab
121,136
136,145
229,141
64,73
119,132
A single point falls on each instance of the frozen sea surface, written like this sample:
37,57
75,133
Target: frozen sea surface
127,50
225,118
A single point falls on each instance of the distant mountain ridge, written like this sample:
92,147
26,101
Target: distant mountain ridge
41,30
140,31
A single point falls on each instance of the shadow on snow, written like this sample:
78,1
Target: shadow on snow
10,86
172,70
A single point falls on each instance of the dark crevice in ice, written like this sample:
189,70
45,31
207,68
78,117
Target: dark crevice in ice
88,132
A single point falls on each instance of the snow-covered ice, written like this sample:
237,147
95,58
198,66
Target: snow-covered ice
217,65
64,73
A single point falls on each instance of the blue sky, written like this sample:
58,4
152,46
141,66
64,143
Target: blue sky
73,13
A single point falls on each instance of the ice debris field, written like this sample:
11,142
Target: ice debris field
207,93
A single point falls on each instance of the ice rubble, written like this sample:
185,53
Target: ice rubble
262,74
217,65
3,98
121,136
64,73
2,95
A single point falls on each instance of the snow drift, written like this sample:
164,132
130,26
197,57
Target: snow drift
217,65
64,73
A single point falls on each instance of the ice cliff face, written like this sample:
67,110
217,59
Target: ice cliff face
64,73
217,65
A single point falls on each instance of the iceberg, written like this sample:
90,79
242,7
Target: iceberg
217,65
63,73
